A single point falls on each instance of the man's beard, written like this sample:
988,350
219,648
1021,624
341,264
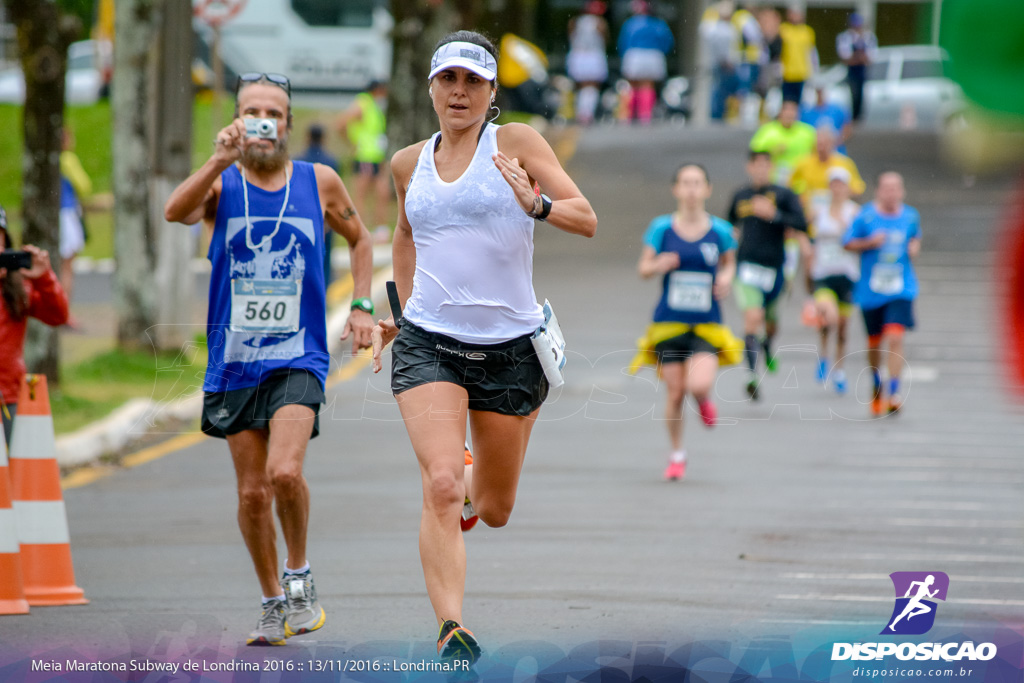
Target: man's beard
266,161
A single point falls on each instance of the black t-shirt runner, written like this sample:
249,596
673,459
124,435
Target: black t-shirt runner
763,242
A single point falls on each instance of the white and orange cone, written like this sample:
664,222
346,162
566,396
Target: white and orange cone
12,588
49,576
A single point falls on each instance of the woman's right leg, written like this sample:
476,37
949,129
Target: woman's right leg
674,376
435,417
828,313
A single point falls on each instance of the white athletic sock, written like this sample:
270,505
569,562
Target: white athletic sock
301,570
278,597
678,456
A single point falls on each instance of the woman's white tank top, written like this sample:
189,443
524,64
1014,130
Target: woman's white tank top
474,251
830,256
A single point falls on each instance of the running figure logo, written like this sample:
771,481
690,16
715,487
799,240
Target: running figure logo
919,590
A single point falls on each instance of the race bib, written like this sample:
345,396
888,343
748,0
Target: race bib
758,276
265,306
886,279
831,256
689,291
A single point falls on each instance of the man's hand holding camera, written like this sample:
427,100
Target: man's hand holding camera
240,133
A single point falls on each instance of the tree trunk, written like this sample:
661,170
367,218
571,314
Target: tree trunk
43,38
418,26
171,152
135,238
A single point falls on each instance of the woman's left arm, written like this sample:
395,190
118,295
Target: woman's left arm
524,157
726,273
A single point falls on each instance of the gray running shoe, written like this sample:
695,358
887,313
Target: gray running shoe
303,612
270,628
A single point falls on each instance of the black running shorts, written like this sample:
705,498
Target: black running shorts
840,284
230,412
681,348
501,378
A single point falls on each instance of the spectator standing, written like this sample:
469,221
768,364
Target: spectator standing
721,40
753,54
27,293
770,22
643,43
857,47
587,62
799,54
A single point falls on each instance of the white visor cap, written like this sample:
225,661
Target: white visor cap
839,173
468,56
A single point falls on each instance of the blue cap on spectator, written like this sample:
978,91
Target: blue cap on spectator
856,20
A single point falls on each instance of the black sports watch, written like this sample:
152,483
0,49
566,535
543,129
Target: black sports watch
545,208
363,304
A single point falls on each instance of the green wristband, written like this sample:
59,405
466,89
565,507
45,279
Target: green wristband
363,304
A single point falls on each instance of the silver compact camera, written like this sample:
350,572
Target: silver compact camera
261,128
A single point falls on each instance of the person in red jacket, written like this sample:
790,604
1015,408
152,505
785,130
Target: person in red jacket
29,292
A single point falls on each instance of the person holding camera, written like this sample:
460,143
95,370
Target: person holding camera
267,330
29,289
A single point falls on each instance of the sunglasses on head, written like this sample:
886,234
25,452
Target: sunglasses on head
279,80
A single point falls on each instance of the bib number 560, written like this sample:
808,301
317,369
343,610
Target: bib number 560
253,311
265,306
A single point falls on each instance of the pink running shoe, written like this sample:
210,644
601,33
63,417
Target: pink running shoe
469,517
708,413
675,471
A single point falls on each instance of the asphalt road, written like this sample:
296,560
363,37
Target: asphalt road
794,511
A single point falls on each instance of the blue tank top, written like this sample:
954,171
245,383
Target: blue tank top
687,295
268,309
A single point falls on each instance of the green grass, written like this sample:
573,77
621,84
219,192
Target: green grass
95,387
92,127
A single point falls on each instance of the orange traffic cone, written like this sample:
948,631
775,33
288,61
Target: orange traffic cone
42,520
12,589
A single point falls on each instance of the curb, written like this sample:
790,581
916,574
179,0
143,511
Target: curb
139,416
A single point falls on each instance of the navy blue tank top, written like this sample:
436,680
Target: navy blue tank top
268,309
687,295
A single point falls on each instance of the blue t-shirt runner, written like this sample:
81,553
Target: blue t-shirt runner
887,287
887,273
267,305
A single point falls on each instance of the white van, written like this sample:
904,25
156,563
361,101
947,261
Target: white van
321,45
